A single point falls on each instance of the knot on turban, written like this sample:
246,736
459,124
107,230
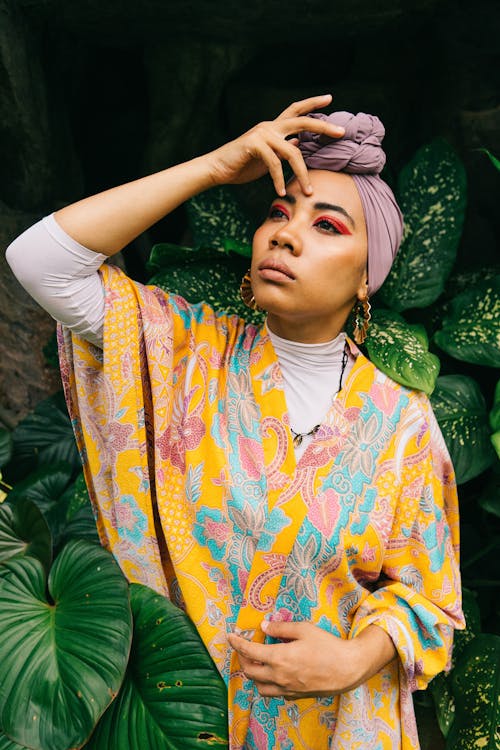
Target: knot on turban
359,153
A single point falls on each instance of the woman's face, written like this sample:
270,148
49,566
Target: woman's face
309,258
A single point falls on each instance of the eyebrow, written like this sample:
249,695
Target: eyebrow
322,207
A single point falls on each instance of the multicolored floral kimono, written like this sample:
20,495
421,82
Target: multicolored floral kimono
182,425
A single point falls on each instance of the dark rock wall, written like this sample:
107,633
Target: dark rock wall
94,93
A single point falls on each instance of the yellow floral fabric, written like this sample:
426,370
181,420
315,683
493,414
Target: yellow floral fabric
182,425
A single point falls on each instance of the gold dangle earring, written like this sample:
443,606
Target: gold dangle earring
362,317
246,292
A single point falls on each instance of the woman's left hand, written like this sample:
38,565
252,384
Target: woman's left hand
314,663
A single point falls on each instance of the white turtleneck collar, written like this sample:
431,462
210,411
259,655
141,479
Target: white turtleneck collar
311,374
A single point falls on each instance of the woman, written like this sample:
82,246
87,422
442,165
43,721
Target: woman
297,502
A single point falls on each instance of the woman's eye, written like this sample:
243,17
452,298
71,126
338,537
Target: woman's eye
328,226
277,213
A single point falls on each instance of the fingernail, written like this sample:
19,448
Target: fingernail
264,625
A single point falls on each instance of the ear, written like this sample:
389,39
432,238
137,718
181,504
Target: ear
362,292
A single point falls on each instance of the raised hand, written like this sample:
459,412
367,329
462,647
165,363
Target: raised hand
263,148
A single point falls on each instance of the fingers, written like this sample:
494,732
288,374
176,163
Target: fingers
272,151
305,105
274,166
298,124
253,652
290,631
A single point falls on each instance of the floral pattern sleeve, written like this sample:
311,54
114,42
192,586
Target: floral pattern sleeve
417,600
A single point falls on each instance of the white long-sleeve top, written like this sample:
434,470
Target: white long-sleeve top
61,275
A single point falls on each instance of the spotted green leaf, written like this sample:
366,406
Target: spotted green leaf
432,194
476,690
471,329
217,221
401,351
213,278
78,496
172,696
460,409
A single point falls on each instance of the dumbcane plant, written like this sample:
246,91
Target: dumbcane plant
89,661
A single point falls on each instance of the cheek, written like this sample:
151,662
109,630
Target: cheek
260,235
349,265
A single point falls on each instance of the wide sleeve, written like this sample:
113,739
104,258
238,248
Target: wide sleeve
62,276
417,600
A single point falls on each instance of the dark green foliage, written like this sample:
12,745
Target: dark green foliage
5,447
431,193
460,409
46,435
206,276
476,686
440,687
171,695
67,627
24,531
218,222
471,329
68,635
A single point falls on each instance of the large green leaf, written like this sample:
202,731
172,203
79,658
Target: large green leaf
471,329
64,646
24,531
46,435
74,513
401,351
460,409
432,194
7,744
217,221
46,488
78,496
172,696
476,689
166,255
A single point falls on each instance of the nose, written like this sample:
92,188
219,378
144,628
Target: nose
286,237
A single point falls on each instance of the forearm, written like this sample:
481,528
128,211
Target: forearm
108,221
374,649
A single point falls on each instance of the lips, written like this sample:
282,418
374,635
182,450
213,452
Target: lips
276,265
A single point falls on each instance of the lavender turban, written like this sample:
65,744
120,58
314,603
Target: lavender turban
359,153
